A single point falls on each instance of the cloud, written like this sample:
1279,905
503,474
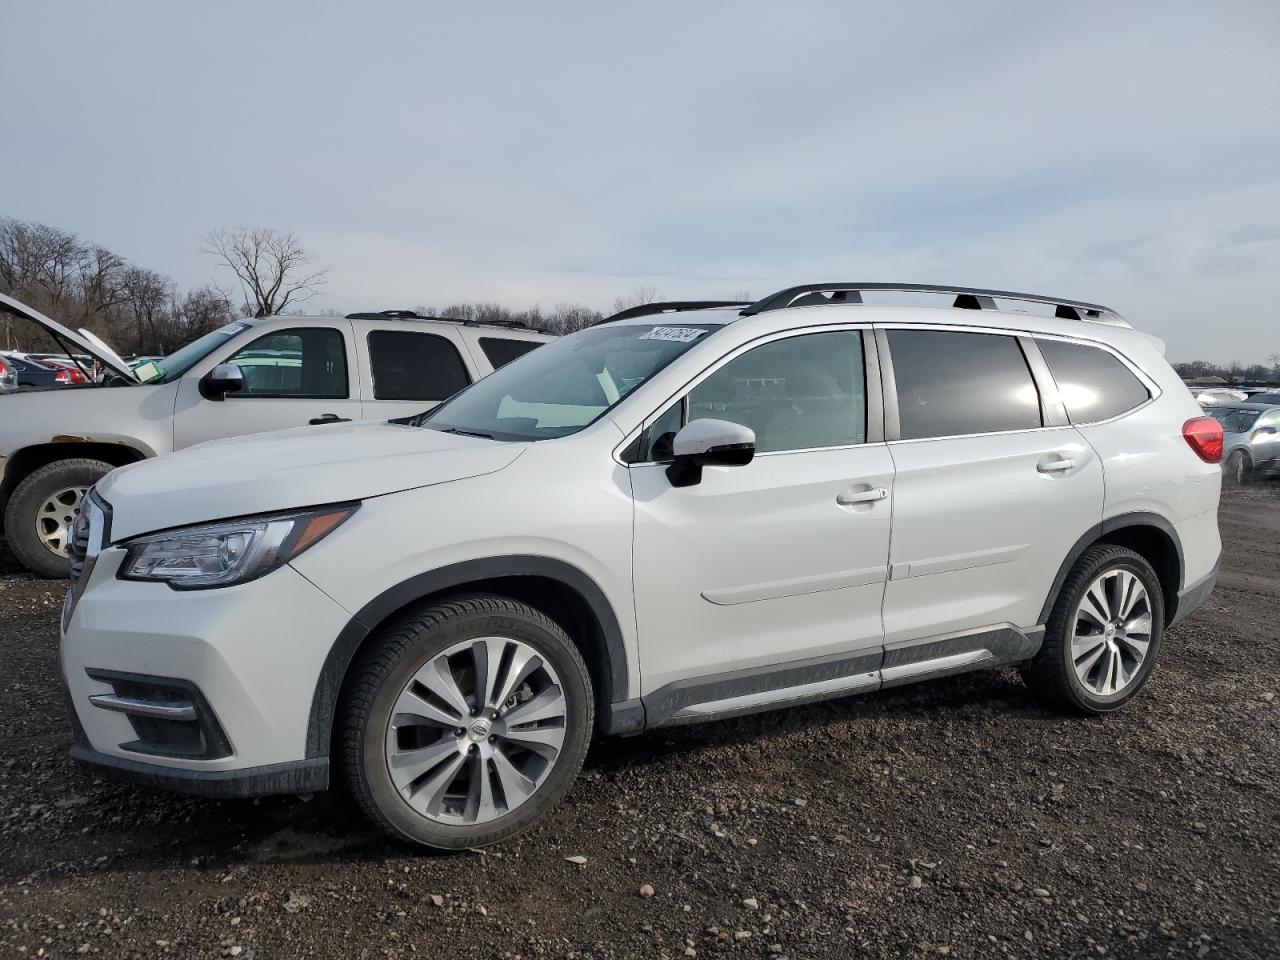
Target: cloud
1125,153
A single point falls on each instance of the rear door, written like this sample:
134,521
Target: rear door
293,376
992,487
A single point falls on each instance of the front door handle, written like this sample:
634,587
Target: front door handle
850,497
328,418
1055,465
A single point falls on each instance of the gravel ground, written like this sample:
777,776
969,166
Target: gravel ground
951,819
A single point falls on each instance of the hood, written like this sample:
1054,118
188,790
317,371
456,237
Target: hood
290,469
84,342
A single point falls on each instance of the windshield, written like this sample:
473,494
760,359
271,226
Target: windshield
558,389
1233,420
180,361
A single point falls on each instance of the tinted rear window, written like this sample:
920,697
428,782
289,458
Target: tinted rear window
1094,384
415,366
951,384
501,350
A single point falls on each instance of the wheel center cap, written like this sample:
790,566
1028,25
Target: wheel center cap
1109,632
479,730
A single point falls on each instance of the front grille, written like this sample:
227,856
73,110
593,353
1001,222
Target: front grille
89,534
78,545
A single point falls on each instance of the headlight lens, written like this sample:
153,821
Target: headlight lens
231,552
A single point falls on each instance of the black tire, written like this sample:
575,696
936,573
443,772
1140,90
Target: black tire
1051,673
30,494
1238,468
388,664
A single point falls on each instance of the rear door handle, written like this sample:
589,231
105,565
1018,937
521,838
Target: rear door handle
328,418
850,497
1055,465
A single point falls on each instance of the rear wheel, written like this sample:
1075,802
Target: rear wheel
1238,468
466,722
1103,635
38,518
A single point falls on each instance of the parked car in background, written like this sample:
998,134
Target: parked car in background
1221,395
1269,397
246,377
673,516
1251,440
31,372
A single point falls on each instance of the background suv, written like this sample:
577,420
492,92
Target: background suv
247,377
676,515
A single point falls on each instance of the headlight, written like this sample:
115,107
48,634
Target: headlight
231,552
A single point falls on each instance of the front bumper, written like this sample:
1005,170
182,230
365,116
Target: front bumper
203,691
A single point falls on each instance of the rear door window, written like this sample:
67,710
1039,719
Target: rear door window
415,366
952,384
1093,383
502,350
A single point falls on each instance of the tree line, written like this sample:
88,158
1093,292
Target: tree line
141,311
1234,371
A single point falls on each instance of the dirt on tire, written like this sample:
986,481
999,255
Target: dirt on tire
958,818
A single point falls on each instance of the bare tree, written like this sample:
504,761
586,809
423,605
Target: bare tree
202,310
642,294
147,294
272,267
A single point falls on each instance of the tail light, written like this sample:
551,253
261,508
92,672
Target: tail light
1204,436
62,376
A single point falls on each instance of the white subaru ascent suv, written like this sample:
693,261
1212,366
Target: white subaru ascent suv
683,513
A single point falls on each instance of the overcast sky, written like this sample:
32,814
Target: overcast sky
1127,153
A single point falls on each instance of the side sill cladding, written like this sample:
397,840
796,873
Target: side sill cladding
1111,525
324,702
758,689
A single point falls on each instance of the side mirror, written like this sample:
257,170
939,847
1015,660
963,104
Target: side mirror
223,379
709,443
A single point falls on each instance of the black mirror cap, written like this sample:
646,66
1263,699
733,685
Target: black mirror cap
686,471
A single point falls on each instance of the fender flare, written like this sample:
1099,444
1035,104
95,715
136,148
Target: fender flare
324,701
1099,530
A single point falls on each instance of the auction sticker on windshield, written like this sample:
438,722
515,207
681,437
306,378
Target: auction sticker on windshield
674,334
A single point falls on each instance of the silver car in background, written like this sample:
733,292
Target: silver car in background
1251,440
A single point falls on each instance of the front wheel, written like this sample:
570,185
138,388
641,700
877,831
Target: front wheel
38,518
1103,635
466,722
1238,468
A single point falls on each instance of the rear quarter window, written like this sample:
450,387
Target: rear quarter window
1094,384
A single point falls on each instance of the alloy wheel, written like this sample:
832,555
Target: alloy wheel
476,731
1111,632
55,517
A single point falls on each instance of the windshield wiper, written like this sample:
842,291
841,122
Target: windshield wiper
465,433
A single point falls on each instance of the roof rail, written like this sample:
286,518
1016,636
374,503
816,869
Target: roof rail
966,298
672,306
413,315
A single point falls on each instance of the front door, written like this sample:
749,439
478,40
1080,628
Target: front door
292,376
784,559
